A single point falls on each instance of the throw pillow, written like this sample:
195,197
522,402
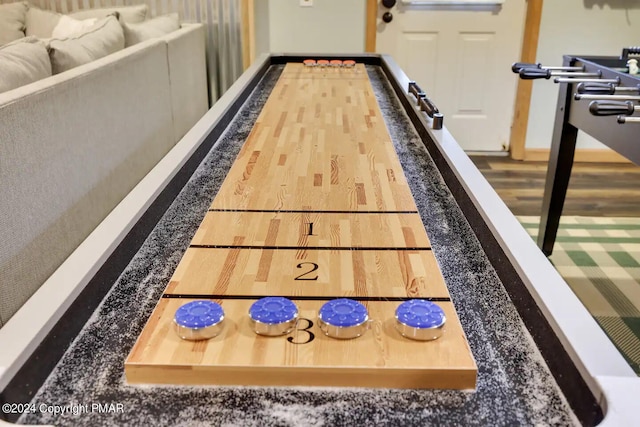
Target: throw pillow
136,13
156,27
69,26
40,23
22,62
103,38
12,21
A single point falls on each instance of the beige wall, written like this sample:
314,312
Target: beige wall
261,20
329,26
577,27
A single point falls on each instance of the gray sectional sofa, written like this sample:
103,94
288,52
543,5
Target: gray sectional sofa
74,144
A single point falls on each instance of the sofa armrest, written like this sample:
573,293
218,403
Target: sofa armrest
72,146
188,75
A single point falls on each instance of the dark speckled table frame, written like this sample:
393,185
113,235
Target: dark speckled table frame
521,381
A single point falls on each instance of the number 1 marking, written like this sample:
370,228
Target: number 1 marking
310,229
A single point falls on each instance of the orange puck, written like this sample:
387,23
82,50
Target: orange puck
309,62
323,62
336,63
348,63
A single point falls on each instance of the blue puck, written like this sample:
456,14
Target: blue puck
199,314
273,310
419,313
343,313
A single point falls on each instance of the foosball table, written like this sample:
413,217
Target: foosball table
318,249
599,95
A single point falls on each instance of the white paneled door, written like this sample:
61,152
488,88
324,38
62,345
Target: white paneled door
460,55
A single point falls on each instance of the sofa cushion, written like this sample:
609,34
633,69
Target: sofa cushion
22,62
101,39
12,21
68,26
40,22
156,27
136,13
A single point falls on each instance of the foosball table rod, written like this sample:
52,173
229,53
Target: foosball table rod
539,73
624,119
612,108
589,97
615,108
600,88
615,81
516,67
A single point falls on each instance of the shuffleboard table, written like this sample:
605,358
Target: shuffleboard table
315,184
315,208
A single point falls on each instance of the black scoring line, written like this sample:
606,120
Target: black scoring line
310,211
300,297
315,248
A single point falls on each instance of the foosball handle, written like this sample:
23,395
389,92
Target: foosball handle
534,73
596,88
632,50
611,108
517,66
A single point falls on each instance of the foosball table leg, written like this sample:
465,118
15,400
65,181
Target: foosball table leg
563,144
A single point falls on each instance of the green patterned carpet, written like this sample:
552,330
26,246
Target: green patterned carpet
600,259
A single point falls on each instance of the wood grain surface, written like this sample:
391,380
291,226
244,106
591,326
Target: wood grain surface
315,207
320,143
338,274
381,357
595,189
345,230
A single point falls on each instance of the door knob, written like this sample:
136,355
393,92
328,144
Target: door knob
387,17
388,3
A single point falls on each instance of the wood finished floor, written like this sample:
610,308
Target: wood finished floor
595,189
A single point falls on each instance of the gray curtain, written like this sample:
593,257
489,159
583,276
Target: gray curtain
221,17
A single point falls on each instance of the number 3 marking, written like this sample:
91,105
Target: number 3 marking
304,276
310,334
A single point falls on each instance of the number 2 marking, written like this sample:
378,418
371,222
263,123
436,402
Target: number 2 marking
303,276
310,334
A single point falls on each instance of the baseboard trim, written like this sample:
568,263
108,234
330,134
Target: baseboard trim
588,155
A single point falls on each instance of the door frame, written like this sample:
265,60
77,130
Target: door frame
523,92
370,26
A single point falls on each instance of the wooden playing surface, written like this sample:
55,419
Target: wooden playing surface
315,207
